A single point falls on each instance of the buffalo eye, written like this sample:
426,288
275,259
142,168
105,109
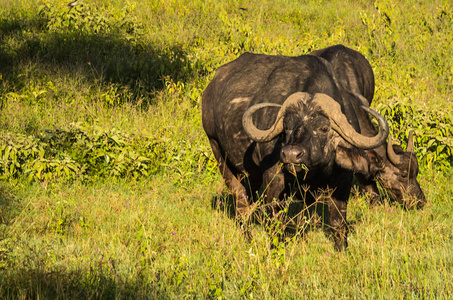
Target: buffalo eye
404,175
324,129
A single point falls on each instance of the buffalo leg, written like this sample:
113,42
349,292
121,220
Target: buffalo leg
337,205
274,184
234,185
370,187
337,220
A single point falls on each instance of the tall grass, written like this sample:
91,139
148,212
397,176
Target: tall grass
129,76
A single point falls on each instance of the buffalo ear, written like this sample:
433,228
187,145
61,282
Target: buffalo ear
376,163
360,161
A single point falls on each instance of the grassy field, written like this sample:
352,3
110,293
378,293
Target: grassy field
108,187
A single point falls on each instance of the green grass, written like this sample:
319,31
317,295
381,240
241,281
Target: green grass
153,239
81,216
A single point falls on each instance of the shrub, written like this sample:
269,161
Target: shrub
68,153
77,151
433,132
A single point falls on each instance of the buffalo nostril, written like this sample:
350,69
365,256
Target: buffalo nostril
293,154
301,154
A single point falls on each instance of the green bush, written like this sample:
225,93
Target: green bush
432,129
16,151
73,152
81,152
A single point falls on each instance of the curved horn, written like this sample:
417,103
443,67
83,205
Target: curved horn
262,136
340,124
363,100
410,143
393,157
259,135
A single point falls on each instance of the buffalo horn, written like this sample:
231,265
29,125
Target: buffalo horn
340,124
259,135
262,136
410,143
393,157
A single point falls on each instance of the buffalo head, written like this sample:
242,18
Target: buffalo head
314,129
398,175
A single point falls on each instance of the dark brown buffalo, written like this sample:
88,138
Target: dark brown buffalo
261,112
394,168
352,70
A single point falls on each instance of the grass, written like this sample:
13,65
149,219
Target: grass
138,69
135,239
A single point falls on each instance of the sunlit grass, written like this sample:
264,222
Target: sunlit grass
141,236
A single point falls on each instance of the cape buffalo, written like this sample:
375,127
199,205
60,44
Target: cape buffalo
261,112
393,167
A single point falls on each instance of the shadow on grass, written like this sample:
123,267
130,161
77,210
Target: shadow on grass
112,56
299,217
225,203
94,283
